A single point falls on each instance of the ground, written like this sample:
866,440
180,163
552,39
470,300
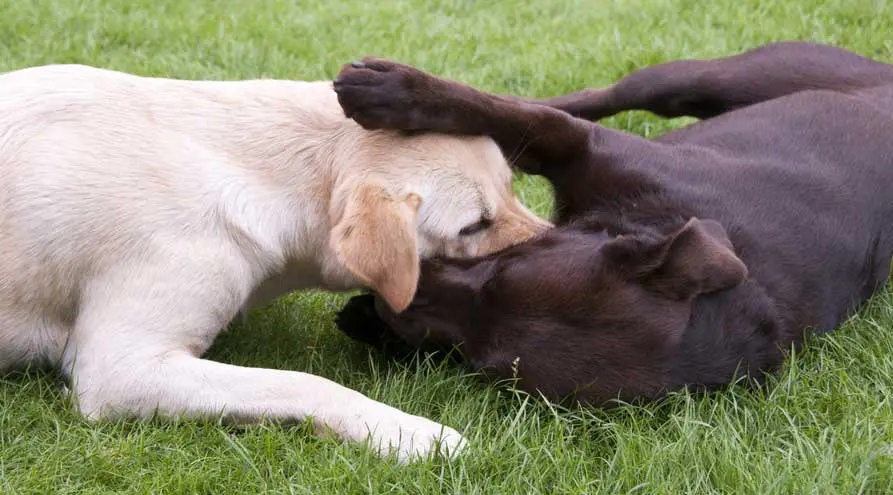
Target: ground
824,425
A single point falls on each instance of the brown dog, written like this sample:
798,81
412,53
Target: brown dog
683,261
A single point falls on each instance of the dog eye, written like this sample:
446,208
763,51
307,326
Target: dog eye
482,224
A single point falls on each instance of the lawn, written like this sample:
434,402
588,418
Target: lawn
824,425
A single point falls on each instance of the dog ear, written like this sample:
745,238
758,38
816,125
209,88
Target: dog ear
375,239
696,259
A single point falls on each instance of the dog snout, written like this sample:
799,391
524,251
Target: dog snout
514,230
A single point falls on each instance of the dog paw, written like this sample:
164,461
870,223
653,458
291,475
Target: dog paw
416,438
382,94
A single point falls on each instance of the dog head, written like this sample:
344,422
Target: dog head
409,198
574,312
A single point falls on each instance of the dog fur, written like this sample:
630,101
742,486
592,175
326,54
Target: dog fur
684,261
139,215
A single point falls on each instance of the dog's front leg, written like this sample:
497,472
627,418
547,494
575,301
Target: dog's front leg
381,94
134,353
584,162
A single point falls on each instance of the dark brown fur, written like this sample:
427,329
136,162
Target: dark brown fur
686,260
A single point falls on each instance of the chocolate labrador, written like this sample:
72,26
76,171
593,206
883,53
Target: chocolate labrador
683,261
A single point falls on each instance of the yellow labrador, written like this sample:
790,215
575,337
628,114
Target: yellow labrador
139,215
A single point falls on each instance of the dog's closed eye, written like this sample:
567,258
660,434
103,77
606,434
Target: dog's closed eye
479,226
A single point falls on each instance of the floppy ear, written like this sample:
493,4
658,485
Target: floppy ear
375,239
696,259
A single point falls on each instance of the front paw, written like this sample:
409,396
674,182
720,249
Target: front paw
416,438
382,94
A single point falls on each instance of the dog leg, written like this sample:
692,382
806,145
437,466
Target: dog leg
381,94
706,88
134,353
584,162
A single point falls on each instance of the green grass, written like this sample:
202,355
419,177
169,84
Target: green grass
824,425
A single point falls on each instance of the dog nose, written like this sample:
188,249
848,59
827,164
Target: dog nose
420,301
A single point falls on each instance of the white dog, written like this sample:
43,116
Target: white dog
138,216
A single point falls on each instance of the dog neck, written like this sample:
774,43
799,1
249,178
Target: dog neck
732,333
286,150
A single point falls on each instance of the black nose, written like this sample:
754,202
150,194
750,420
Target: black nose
420,301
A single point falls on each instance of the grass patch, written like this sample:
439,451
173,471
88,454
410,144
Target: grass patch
825,425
